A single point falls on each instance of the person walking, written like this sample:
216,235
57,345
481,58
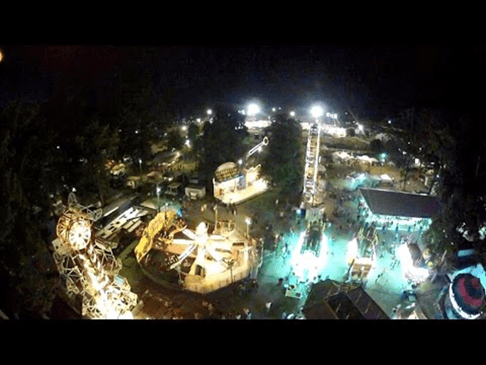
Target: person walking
268,305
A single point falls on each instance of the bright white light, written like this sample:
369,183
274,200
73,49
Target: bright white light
240,161
188,143
209,111
58,147
406,261
389,122
184,128
317,111
136,132
248,220
199,120
360,127
292,114
273,109
253,109
352,250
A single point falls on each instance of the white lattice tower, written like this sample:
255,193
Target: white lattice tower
311,164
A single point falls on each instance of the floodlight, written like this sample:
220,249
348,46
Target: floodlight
253,109
317,111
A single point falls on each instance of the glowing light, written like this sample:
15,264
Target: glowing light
240,161
184,128
292,114
273,109
188,143
317,111
80,234
209,111
253,109
248,220
352,250
1,55
406,261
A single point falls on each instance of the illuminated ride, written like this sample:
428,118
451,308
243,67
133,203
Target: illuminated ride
89,268
362,254
465,298
236,183
412,263
311,165
309,256
195,260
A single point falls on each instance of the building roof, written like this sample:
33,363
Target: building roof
329,300
399,204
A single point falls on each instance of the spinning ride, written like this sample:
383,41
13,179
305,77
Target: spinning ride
200,261
466,297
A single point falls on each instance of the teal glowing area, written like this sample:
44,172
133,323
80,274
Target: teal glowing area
308,263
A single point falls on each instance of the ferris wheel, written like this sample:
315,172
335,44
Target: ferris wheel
88,265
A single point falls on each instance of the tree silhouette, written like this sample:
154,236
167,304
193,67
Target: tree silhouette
283,162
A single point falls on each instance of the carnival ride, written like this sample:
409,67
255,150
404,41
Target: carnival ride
412,263
236,183
466,298
311,165
87,265
203,262
309,256
362,254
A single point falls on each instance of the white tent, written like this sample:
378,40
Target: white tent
386,178
341,155
366,159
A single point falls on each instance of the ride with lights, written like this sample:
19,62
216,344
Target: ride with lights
309,257
89,268
236,183
195,260
362,254
466,297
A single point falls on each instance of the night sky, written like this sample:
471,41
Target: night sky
373,80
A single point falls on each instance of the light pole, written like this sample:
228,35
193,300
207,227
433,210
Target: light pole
140,164
248,222
215,216
158,198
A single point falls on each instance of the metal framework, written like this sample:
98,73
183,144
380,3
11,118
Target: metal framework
88,265
311,165
258,147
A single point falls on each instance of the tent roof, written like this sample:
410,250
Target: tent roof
341,154
399,204
327,302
